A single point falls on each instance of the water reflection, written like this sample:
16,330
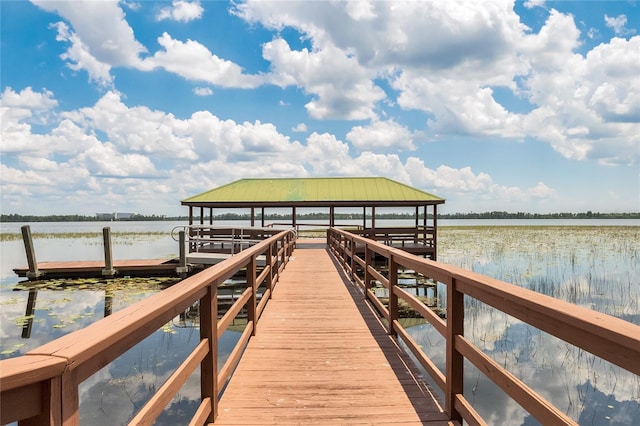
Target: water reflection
114,394
31,304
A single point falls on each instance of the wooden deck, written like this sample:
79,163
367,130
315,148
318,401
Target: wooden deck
66,269
321,356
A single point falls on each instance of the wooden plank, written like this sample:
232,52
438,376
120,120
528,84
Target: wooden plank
322,356
23,371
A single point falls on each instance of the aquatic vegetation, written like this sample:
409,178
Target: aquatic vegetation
42,310
123,237
593,266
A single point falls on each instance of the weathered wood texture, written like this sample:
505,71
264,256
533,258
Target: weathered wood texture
321,356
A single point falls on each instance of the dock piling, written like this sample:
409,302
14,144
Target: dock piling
33,273
108,270
182,268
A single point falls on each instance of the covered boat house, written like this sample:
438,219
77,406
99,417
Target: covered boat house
335,197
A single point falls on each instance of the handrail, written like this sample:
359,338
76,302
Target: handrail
210,238
42,385
607,337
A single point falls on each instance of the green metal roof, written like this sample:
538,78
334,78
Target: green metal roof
313,191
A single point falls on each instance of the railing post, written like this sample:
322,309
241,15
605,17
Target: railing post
352,264
277,261
252,302
209,365
268,264
33,272
108,270
393,297
368,256
454,360
70,399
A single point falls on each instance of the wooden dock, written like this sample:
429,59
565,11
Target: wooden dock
74,269
321,356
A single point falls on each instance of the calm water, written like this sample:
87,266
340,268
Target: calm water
589,263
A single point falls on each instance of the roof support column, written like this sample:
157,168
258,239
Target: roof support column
435,232
293,217
418,215
262,217
201,215
424,219
364,218
332,220
373,217
211,216
190,215
253,217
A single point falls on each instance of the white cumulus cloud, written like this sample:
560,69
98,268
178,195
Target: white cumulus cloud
181,11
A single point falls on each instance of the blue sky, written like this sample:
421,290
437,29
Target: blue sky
134,105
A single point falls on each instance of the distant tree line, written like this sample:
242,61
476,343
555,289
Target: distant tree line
523,215
325,216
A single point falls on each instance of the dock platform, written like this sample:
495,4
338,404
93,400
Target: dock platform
321,356
75,269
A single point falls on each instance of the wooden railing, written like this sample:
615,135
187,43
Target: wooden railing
609,338
41,387
420,240
216,239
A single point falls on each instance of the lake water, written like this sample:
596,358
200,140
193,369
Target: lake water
593,263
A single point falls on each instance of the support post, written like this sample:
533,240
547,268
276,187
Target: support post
454,359
435,232
252,315
108,270
269,264
393,297
352,260
373,217
33,273
293,218
182,267
70,399
209,365
368,257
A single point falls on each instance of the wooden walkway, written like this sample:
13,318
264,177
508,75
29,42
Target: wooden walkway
321,356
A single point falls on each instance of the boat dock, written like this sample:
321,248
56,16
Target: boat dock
319,347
